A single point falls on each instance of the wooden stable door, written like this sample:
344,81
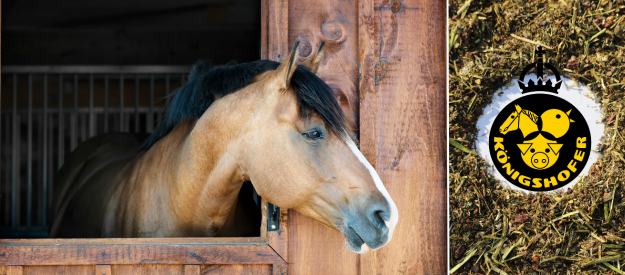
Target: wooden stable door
188,256
385,61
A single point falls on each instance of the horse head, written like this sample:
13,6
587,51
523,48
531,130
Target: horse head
298,154
511,123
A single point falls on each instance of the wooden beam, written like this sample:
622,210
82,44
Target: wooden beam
15,270
191,270
313,247
279,240
152,253
103,269
403,128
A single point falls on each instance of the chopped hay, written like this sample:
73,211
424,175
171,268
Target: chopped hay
494,229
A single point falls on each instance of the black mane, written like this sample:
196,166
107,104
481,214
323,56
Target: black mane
190,101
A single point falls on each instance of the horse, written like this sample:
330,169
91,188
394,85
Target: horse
523,119
276,125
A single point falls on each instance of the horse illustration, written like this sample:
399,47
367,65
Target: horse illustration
275,125
522,119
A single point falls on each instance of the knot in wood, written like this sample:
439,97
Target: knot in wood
332,30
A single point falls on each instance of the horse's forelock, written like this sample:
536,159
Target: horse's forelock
206,82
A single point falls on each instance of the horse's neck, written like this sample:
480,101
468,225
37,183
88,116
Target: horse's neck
188,181
528,122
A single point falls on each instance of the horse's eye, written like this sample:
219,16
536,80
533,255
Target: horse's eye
512,116
312,135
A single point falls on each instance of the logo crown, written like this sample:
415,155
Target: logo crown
539,86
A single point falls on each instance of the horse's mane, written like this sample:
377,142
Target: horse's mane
531,115
206,82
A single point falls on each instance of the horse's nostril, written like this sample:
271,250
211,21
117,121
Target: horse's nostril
378,215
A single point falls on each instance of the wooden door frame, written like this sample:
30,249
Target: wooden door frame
269,248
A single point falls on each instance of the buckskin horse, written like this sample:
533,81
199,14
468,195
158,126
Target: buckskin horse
276,125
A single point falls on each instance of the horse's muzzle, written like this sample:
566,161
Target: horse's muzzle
368,227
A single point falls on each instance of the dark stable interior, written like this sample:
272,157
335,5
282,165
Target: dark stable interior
94,33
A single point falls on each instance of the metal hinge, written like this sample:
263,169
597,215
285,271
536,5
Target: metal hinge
273,217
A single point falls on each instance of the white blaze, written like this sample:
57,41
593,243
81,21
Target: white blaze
378,183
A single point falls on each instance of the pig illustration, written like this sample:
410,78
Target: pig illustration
540,153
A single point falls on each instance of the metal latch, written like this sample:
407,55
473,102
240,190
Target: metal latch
273,217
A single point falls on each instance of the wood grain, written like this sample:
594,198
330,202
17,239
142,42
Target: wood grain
235,269
149,269
60,270
277,33
314,248
403,128
192,269
279,240
139,241
397,75
15,270
280,269
103,269
69,254
336,23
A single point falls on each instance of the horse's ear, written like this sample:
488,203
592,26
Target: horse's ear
314,61
282,75
518,108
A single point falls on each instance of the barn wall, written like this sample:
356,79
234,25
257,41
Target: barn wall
385,60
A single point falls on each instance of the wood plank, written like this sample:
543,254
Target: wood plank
148,269
15,270
280,269
236,269
60,270
277,33
403,129
336,23
103,269
279,240
169,253
102,241
192,269
264,29
314,248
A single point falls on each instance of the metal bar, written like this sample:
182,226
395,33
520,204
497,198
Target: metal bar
45,149
3,161
61,121
91,114
86,69
150,116
83,110
83,127
121,102
136,103
50,166
167,84
29,156
7,175
15,157
74,116
106,103
18,177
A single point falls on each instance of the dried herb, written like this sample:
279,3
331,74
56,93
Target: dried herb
495,230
